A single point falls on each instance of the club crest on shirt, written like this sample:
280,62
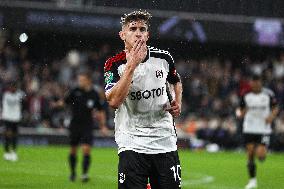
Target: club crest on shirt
108,77
159,74
121,178
90,103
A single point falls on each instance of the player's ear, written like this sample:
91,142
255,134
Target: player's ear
122,35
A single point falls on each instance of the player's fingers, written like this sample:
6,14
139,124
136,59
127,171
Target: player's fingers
169,109
136,44
175,107
144,49
173,103
140,46
175,116
176,112
172,108
144,46
142,53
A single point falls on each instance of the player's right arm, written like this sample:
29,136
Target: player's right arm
120,90
241,110
60,103
274,109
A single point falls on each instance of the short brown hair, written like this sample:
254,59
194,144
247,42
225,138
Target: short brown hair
136,15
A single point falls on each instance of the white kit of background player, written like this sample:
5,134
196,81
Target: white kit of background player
12,115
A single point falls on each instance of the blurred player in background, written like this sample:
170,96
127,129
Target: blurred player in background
259,109
135,85
12,104
84,101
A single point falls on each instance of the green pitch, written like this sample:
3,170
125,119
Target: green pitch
46,167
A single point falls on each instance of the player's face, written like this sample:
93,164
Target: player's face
134,31
83,81
13,89
256,85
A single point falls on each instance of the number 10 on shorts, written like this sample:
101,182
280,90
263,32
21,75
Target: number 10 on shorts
176,171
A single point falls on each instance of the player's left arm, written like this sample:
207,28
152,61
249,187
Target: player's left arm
174,79
274,110
242,109
177,102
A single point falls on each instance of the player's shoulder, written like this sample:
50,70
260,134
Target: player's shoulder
21,93
268,92
247,94
117,60
159,53
157,50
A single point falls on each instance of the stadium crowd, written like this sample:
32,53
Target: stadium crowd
212,88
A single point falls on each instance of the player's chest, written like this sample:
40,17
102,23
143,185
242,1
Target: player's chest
83,100
13,99
258,102
148,75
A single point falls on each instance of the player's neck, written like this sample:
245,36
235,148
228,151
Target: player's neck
87,87
257,91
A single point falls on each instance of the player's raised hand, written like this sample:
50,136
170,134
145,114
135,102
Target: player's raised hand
137,54
175,109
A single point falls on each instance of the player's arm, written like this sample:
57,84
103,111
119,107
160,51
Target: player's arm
61,102
178,92
274,110
176,103
241,110
272,115
120,90
174,79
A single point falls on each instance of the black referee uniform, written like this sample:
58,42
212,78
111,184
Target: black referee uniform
82,104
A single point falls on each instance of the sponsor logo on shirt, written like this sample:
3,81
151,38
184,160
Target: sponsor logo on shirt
146,94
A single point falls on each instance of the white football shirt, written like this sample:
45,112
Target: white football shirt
258,107
12,106
141,123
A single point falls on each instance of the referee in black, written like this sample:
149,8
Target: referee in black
84,103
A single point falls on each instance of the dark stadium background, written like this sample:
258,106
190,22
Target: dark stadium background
216,46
